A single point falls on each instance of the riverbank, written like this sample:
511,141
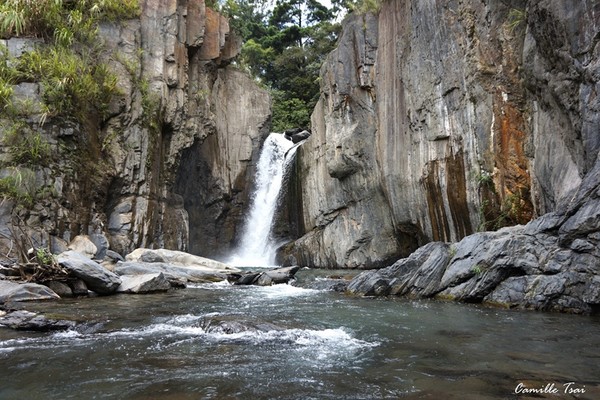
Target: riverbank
319,344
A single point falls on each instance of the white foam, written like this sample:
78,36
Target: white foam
284,290
221,285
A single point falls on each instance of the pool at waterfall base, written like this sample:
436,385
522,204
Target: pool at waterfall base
298,341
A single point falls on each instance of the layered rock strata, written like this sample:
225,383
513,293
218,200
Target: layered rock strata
438,119
552,263
168,166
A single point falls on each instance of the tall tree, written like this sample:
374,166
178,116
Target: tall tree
284,48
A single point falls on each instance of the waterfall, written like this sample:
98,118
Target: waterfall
256,246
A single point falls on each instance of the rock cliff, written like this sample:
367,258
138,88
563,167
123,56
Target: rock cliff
168,166
438,119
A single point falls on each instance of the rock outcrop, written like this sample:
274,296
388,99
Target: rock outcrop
439,119
95,276
15,292
30,321
552,263
264,278
167,166
144,283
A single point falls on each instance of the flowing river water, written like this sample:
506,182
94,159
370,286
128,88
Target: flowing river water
321,345
301,341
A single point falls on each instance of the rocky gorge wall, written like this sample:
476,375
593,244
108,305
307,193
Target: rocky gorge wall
168,167
438,119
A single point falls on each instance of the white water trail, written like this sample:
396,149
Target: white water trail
257,248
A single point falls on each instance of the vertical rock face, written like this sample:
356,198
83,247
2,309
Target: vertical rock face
441,118
211,123
214,175
185,121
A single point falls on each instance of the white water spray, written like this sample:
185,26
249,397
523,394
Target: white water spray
256,246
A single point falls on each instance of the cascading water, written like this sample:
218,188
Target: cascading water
256,246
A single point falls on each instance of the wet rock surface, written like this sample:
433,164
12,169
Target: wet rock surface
552,263
439,119
95,276
21,291
30,321
264,278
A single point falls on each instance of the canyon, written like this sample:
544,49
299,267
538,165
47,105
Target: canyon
437,120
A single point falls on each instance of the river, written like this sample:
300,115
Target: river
322,345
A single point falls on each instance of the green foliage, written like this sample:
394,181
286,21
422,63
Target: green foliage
515,18
478,269
150,106
19,185
74,84
365,6
114,10
63,20
6,91
484,178
452,251
44,256
288,113
284,49
7,78
25,147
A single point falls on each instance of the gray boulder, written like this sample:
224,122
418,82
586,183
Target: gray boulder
179,259
26,320
95,276
83,245
264,278
145,283
12,291
300,136
60,288
172,272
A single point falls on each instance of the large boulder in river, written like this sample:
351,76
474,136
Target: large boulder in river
179,258
30,321
264,278
173,272
12,291
95,276
144,283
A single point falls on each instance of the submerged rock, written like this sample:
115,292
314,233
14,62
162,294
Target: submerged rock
264,278
230,327
30,321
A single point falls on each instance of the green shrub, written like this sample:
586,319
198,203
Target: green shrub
24,146
73,84
289,113
7,77
516,17
6,92
364,6
63,20
31,18
19,185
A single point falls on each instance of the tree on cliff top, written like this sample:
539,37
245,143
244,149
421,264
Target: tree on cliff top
284,47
